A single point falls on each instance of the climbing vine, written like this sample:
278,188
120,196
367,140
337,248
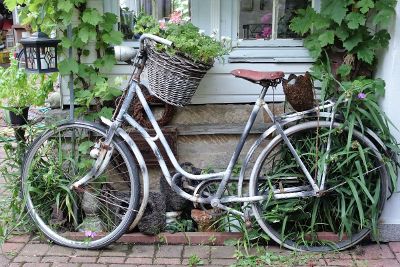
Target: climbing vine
92,33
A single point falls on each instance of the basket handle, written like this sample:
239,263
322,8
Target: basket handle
154,38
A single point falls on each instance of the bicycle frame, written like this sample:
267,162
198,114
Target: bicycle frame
225,176
215,200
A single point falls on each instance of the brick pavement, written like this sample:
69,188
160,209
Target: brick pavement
22,251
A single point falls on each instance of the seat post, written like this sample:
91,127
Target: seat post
263,91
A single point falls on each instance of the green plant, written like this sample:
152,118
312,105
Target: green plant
180,226
187,39
346,25
265,258
195,260
13,216
19,89
94,92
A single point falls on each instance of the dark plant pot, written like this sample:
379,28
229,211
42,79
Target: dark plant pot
19,119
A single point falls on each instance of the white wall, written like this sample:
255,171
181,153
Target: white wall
389,70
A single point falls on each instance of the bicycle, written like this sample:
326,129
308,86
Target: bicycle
79,172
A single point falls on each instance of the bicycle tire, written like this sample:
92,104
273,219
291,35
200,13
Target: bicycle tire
59,157
300,223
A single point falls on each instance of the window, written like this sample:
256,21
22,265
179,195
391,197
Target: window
266,22
161,9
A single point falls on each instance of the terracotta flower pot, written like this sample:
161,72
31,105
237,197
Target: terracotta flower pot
204,220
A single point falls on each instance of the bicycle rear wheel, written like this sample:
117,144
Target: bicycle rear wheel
355,190
101,210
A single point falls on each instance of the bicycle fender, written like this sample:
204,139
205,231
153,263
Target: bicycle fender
143,168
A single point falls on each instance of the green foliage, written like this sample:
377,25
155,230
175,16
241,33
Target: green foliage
91,84
267,258
181,226
195,260
346,24
19,89
187,39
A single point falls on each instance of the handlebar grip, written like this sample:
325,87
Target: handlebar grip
154,38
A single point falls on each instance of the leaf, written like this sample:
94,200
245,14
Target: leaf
106,112
383,17
302,23
327,37
66,42
342,33
65,5
10,4
83,34
365,54
109,21
354,20
353,41
67,66
313,45
336,10
344,70
113,37
357,199
92,16
365,5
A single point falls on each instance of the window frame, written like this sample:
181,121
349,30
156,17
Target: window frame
273,42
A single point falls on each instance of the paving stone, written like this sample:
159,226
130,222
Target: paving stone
155,265
19,239
35,250
55,259
337,255
93,265
60,251
27,259
375,251
381,263
167,261
223,252
337,262
139,261
36,265
169,251
83,259
395,247
221,262
4,261
203,252
14,264
87,253
11,247
111,260
144,251
112,254
57,264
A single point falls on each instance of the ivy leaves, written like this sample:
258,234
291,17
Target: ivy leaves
346,24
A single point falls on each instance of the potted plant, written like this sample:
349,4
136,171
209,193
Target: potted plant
19,90
175,71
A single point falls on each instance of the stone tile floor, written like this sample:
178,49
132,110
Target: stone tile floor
26,251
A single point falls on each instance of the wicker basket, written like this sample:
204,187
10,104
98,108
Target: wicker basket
173,79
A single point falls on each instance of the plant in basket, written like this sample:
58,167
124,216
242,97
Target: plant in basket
175,72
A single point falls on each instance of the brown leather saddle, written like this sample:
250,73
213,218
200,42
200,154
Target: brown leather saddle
260,77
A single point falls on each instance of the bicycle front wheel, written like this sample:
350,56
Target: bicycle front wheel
355,188
101,210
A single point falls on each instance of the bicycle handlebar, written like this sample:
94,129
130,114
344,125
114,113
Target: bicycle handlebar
154,38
